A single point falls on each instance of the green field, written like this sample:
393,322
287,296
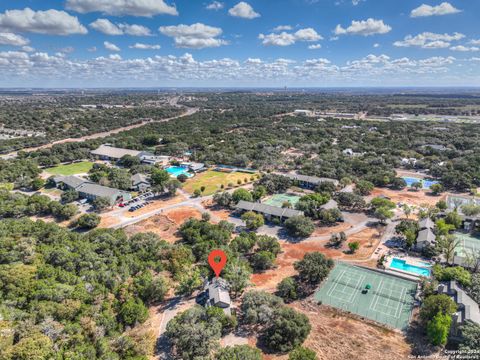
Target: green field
389,300
213,180
71,169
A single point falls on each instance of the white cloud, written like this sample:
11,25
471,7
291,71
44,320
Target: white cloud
243,10
376,45
19,67
92,49
286,39
141,46
428,40
107,27
474,42
28,48
315,46
282,28
110,46
307,34
147,8
52,22
215,5
12,39
195,36
464,48
444,8
365,28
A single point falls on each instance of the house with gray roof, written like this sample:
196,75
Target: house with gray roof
426,235
218,295
140,182
93,191
309,182
68,182
268,210
468,309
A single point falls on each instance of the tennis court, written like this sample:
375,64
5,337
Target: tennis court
389,300
469,243
279,199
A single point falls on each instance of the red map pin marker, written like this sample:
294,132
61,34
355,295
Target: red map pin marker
217,266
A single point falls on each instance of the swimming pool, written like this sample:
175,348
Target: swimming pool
400,264
177,170
426,183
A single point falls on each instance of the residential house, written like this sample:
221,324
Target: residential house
111,153
268,211
426,236
218,295
309,182
93,191
467,310
140,182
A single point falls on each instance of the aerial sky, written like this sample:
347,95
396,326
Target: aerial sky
253,43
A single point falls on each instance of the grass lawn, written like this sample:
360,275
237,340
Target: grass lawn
71,169
212,180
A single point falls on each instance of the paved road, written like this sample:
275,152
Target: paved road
189,111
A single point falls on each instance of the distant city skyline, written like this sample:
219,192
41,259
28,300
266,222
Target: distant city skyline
255,43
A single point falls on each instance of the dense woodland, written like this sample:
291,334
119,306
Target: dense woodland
63,117
250,135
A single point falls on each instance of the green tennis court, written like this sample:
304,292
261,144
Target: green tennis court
279,199
389,300
469,243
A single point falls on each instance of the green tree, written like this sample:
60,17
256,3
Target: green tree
33,347
239,352
470,336
454,219
299,226
363,187
159,179
37,184
237,272
313,268
436,189
354,246
259,307
223,198
287,289
241,194
69,196
383,214
258,192
417,185
133,311
188,283
262,260
88,221
253,220
438,329
435,304
288,330
268,243
101,203
302,353
172,185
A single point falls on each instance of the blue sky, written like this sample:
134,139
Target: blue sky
143,43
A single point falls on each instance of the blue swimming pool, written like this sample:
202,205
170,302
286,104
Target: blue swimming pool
426,183
177,170
400,264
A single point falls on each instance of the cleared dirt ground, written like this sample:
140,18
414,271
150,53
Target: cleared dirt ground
166,224
407,196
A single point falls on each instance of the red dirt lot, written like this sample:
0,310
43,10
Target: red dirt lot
292,252
409,197
166,224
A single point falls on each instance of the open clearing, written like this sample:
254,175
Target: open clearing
166,224
410,197
71,169
292,252
213,180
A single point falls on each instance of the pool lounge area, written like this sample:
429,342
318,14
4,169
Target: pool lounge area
409,266
426,183
178,170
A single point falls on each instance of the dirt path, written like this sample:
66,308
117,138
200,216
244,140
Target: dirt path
189,111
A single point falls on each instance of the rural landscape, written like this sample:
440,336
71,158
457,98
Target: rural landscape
239,180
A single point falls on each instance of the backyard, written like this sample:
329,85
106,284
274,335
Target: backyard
213,180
